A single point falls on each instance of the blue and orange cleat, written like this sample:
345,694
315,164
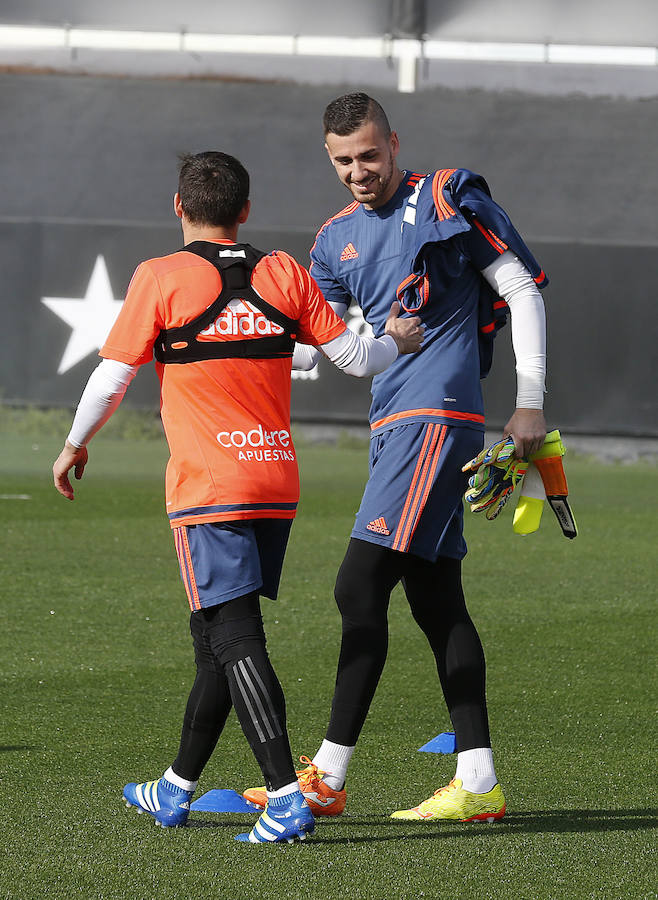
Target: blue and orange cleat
168,804
285,820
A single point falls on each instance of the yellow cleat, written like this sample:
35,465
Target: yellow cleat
453,802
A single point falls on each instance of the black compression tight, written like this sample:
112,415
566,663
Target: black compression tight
234,669
365,580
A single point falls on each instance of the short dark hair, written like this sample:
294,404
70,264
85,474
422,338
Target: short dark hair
213,188
348,113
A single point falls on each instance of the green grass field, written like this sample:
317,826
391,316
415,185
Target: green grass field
96,663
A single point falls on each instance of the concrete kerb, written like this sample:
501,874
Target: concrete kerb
604,448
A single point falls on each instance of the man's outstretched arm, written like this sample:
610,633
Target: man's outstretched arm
363,356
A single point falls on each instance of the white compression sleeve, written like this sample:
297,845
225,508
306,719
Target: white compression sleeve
361,356
304,356
511,280
104,392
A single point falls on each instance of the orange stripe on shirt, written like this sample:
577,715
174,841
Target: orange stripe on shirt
438,184
414,178
489,327
422,291
443,209
339,215
496,243
404,285
257,513
444,413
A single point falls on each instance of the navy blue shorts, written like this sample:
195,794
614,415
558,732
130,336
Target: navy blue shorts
413,499
223,560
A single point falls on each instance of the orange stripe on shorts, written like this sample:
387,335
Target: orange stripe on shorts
420,485
429,481
187,570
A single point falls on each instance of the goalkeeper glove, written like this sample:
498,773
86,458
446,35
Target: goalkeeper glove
496,471
545,480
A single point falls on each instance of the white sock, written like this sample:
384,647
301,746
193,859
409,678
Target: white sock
333,760
284,791
476,770
173,778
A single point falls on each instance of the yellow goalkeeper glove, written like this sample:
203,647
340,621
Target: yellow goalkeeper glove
496,471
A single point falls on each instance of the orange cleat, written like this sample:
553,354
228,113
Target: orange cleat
322,800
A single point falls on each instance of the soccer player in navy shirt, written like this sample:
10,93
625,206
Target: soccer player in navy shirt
451,255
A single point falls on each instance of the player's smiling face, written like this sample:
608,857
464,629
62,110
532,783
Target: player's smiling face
365,162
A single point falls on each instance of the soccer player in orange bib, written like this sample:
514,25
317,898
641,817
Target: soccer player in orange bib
221,319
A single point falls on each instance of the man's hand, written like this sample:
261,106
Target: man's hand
69,458
527,428
407,333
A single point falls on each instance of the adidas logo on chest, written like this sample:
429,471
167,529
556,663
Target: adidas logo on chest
349,252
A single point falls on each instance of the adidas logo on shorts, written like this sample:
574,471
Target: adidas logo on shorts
378,526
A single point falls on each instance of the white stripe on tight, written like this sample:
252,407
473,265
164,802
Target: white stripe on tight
250,709
268,699
254,694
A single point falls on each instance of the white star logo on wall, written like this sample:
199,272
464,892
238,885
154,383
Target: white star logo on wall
90,317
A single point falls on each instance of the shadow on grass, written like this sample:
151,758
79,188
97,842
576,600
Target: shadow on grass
554,820
17,748
547,821
550,821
